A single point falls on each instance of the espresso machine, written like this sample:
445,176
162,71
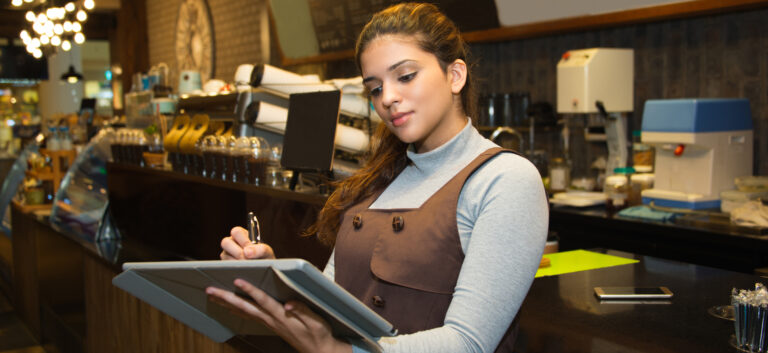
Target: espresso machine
702,145
599,82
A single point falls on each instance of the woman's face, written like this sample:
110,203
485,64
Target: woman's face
416,99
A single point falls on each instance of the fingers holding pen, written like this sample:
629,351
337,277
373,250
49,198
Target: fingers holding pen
237,246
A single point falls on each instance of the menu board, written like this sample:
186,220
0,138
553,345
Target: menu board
338,23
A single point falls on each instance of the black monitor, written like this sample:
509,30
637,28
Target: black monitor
310,132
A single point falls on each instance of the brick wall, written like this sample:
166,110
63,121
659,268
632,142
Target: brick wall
237,26
719,56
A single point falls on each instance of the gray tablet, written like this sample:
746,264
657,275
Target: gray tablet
178,289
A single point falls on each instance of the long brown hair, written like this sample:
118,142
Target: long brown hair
434,33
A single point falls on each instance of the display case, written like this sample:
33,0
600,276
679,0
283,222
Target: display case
81,200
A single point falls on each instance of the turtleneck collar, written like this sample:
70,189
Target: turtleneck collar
446,153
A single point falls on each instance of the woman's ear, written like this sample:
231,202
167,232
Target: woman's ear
457,73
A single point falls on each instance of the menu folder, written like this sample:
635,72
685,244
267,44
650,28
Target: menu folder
177,288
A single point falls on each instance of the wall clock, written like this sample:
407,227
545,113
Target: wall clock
194,39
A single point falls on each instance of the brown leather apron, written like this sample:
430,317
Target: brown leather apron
404,263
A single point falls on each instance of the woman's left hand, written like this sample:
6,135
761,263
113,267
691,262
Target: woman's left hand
293,321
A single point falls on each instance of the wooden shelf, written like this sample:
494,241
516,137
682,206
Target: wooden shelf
578,23
56,172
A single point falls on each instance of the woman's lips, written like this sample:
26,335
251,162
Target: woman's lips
400,118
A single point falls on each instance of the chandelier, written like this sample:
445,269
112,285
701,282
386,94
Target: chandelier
52,27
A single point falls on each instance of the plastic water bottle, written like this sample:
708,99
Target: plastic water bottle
53,143
65,141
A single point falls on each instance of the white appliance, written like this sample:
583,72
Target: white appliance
702,145
600,80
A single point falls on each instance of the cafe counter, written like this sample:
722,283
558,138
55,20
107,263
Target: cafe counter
709,241
63,288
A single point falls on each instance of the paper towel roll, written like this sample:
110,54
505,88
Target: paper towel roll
285,82
272,115
350,138
354,104
346,137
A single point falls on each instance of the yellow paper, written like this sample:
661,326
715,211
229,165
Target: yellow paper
580,260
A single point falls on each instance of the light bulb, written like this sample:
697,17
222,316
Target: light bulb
58,28
66,45
81,16
26,41
44,40
70,6
76,27
24,35
35,43
28,1
37,53
50,12
16,2
79,38
67,26
42,18
30,16
88,4
48,25
55,41
38,27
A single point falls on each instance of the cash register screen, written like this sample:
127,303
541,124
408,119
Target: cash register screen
310,132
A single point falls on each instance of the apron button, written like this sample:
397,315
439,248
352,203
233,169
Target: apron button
378,301
357,221
398,223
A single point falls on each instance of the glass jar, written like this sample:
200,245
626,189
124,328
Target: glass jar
642,154
559,175
617,191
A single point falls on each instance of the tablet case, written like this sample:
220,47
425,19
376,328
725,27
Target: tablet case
177,288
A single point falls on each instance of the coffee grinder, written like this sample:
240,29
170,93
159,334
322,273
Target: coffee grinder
599,82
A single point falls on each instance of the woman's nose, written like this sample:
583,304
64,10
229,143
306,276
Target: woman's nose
389,95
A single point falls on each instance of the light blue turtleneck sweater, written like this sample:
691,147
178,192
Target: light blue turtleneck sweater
502,217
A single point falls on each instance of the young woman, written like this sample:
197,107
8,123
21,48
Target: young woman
439,232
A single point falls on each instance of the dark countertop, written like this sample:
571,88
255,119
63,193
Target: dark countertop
687,239
561,313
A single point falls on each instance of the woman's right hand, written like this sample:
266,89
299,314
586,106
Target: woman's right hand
237,246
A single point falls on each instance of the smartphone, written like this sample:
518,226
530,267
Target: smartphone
633,292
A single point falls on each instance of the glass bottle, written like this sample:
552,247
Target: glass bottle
559,175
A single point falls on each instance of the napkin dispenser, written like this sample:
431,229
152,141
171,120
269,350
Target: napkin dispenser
701,146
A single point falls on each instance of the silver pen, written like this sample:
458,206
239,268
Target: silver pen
254,233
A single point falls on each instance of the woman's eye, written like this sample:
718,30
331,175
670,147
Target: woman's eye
375,92
407,77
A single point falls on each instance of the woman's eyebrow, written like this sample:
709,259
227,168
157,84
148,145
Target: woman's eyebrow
391,68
